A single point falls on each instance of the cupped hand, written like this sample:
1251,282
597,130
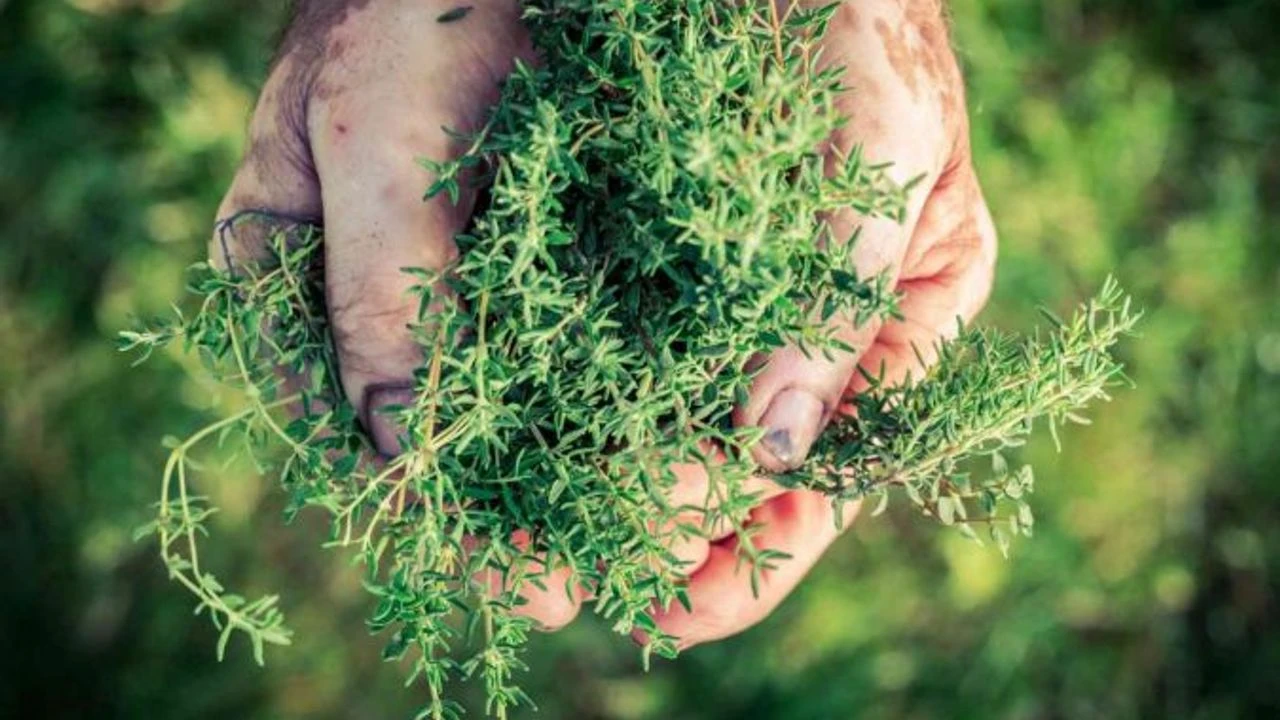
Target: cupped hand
362,88
905,103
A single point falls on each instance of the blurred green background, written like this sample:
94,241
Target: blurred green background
1139,138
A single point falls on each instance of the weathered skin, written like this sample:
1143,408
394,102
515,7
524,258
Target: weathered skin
361,88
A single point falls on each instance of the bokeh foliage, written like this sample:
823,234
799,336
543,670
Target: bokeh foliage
1140,138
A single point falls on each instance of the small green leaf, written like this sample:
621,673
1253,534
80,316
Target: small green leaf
1001,539
946,510
223,638
881,504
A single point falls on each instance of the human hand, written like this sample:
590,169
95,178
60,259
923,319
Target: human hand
359,92
906,106
329,144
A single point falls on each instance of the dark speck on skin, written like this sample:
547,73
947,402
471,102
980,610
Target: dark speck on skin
455,14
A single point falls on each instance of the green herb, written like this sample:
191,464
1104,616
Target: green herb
655,220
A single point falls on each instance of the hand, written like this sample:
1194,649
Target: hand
906,106
360,90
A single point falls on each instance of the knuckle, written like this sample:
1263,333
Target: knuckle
551,601
690,554
988,236
279,152
717,621
370,330
372,310
235,240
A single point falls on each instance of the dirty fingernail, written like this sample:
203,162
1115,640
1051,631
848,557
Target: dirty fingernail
792,423
381,402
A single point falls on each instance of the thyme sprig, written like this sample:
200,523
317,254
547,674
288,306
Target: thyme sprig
655,219
983,397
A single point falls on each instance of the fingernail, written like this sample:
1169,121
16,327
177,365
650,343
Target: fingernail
382,426
792,423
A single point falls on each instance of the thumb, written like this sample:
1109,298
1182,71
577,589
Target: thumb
376,224
795,396
796,393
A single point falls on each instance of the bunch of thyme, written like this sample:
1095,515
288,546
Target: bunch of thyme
654,221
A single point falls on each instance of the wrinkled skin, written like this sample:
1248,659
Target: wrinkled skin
362,88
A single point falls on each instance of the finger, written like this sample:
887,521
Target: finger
549,596
708,507
800,524
689,550
703,506
368,127
275,185
274,189
946,279
795,396
552,600
701,491
894,115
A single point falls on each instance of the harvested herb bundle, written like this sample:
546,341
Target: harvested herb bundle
654,221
